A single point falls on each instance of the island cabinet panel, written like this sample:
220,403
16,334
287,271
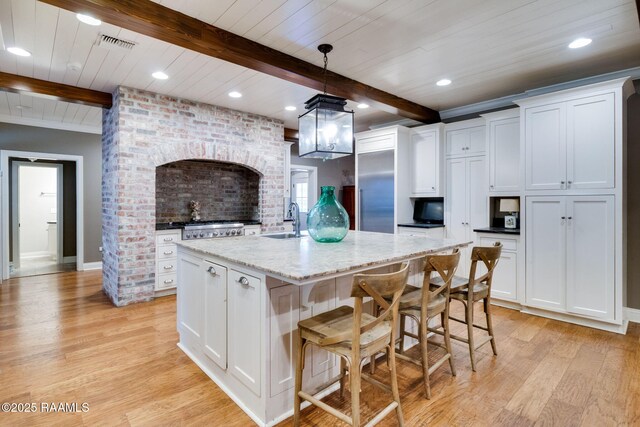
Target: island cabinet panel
190,300
245,338
319,363
283,324
215,313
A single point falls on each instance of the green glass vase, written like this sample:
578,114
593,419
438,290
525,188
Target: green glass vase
327,221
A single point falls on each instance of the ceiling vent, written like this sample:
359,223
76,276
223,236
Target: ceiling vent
114,43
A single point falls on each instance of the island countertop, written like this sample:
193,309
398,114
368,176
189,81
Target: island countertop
303,260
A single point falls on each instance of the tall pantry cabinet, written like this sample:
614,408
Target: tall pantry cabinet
573,151
466,183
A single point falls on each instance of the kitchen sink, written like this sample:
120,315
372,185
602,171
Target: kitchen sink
283,236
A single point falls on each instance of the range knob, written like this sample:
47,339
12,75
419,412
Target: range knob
215,233
233,232
227,232
201,234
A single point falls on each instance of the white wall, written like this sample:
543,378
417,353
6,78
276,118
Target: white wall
36,209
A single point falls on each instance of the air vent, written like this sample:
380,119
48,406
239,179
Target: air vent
110,42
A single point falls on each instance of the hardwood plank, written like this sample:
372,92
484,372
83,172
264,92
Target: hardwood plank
62,340
61,92
154,20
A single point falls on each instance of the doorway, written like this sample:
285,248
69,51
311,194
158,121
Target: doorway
304,190
37,219
42,214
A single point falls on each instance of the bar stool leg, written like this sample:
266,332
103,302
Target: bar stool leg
444,319
402,331
487,312
394,382
468,317
425,356
343,375
354,377
298,384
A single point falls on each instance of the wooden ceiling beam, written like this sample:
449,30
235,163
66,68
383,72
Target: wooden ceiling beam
157,21
58,91
290,135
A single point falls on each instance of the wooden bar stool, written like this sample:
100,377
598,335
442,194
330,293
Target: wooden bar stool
473,289
355,336
422,305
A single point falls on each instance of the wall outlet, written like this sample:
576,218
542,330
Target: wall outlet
100,248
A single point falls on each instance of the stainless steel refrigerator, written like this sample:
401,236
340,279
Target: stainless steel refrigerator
376,191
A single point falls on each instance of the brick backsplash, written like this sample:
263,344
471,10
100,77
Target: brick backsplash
145,130
225,191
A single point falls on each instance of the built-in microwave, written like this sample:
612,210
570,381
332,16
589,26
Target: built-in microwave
429,210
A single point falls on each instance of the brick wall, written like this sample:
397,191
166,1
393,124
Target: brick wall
225,191
144,130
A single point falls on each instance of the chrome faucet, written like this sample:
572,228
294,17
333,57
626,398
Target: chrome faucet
293,206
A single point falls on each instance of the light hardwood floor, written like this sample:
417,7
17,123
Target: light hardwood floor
61,340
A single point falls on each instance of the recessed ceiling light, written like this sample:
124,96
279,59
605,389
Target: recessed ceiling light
160,75
19,51
235,94
89,20
363,105
581,42
290,108
443,82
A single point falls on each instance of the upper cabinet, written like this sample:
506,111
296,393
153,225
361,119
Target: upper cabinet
570,140
503,140
426,161
465,138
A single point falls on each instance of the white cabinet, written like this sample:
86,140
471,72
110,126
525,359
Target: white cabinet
590,256
570,254
166,259
504,285
245,342
190,298
426,161
590,142
283,326
546,252
433,233
466,138
466,201
319,363
503,137
215,313
570,145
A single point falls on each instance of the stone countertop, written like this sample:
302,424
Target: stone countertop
304,260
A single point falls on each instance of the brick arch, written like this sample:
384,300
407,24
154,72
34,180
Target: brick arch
202,150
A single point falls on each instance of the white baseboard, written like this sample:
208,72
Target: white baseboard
69,259
35,255
92,266
632,314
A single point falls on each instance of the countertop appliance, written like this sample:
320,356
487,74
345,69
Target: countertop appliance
376,191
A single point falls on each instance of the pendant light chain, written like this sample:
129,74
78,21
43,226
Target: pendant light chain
326,61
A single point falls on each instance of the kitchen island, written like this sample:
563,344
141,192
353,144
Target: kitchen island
240,299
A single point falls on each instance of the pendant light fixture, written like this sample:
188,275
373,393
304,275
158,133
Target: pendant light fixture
325,131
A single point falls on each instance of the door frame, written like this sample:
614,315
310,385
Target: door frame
15,207
4,210
313,182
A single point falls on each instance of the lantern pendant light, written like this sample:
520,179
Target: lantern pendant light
325,131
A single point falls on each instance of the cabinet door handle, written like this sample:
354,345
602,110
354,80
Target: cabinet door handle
211,271
166,282
569,218
563,217
167,252
168,267
569,182
433,188
168,239
244,281
491,186
561,182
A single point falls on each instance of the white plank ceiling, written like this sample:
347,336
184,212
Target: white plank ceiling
488,48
